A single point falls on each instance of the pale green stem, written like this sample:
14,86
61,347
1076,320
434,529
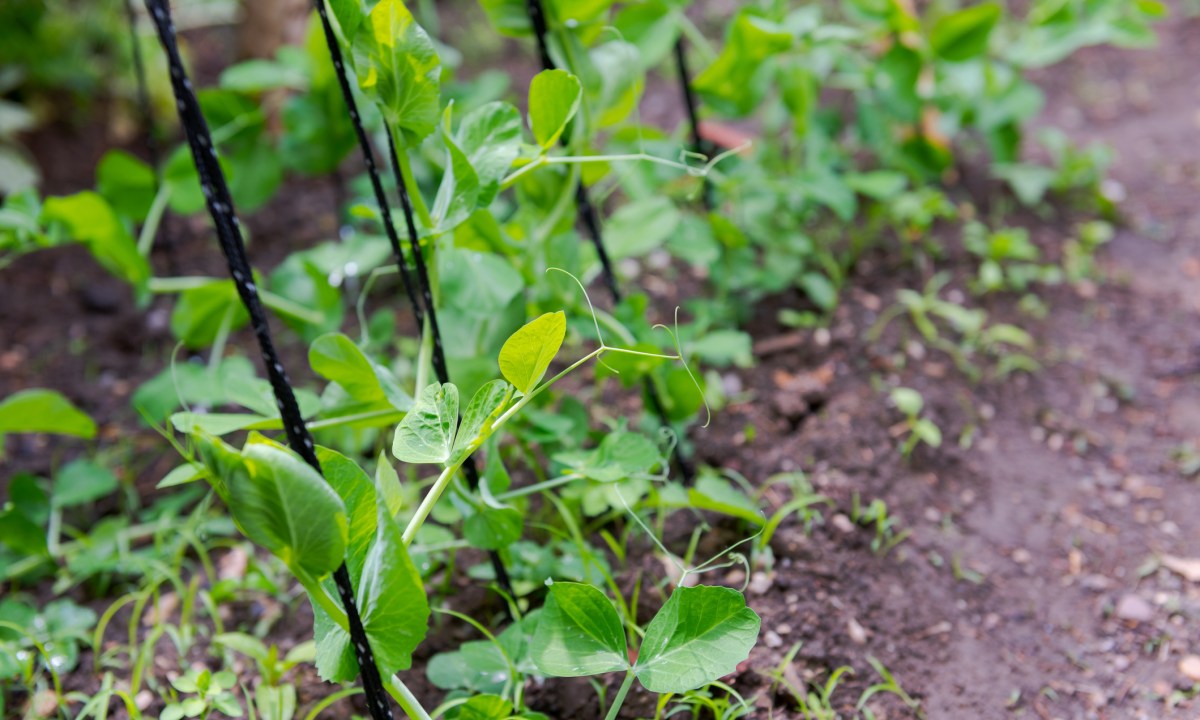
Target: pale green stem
696,38
222,337
153,219
283,306
619,700
565,196
537,487
431,498
410,182
318,593
407,701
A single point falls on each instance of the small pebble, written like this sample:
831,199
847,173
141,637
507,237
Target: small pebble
1189,667
772,639
1134,609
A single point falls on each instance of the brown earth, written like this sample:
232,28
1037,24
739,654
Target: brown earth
1037,578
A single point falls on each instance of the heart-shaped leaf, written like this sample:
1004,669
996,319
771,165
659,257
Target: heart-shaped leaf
579,633
427,432
335,357
487,405
699,635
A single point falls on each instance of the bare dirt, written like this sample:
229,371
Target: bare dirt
1046,571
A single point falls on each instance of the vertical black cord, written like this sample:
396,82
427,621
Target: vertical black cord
587,215
414,243
689,102
339,67
147,118
224,217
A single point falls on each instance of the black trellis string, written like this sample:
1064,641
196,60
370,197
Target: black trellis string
587,215
339,66
689,102
220,207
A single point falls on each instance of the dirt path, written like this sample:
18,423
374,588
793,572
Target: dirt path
1069,536
1033,582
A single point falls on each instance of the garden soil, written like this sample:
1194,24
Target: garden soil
1052,565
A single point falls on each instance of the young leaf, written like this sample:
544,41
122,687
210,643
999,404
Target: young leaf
494,528
491,137
43,411
357,491
699,635
963,35
579,633
201,312
485,707
487,405
81,482
426,434
391,597
554,97
284,505
335,357
398,65
527,354
91,220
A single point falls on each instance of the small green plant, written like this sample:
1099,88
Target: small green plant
203,692
919,429
876,514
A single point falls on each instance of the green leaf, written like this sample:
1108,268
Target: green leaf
284,505
963,35
579,633
92,221
259,75
640,226
426,434
336,357
528,352
391,598
81,482
43,411
494,528
620,455
719,495
732,83
699,635
458,193
358,493
907,401
127,183
554,97
391,601
398,66
511,17
484,707
487,405
491,137
202,311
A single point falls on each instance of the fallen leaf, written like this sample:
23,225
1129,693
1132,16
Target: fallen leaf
1188,568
